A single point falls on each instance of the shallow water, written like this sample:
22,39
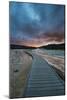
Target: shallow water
55,52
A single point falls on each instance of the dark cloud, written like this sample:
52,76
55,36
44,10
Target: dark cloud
36,22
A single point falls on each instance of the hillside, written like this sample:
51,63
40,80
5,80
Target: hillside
54,46
12,46
50,46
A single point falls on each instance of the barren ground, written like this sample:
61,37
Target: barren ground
20,64
56,62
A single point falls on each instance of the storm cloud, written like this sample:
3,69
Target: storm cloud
36,24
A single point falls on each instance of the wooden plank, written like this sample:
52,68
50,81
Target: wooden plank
43,80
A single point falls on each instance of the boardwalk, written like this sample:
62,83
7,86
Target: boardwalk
43,80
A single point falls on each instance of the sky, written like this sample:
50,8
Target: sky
36,25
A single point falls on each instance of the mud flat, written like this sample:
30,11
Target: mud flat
20,65
57,64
